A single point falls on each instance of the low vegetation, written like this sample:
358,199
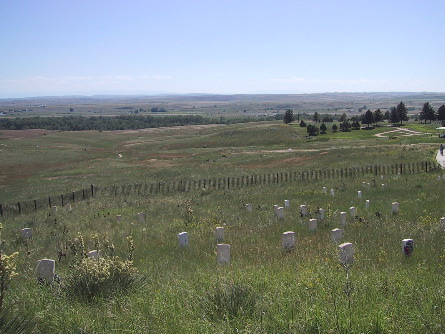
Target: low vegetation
143,282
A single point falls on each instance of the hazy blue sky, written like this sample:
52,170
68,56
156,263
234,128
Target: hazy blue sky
58,47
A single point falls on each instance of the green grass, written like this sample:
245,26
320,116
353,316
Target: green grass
263,290
60,164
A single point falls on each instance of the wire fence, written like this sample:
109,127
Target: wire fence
231,182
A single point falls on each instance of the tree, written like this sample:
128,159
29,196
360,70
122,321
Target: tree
343,117
368,118
302,124
441,113
312,130
316,117
288,116
356,124
403,113
323,128
378,116
334,128
427,113
345,126
327,118
394,116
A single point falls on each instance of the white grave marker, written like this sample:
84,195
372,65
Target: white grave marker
249,207
27,233
352,211
364,184
407,246
54,208
68,207
346,253
275,208
332,192
219,234
383,186
395,207
94,254
359,194
325,190
343,218
312,225
183,238
118,218
367,204
280,212
303,210
223,254
288,240
442,222
286,204
336,235
45,270
141,217
320,214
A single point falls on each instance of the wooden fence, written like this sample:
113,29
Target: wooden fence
146,189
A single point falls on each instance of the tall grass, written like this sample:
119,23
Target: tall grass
264,289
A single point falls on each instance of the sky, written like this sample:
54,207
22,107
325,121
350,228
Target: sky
89,47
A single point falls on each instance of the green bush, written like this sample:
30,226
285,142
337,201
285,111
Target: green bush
101,278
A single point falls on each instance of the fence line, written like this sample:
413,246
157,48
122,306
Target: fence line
231,182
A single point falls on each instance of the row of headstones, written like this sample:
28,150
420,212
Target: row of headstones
46,267
279,211
288,242
346,250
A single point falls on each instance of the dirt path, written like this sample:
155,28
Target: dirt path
402,132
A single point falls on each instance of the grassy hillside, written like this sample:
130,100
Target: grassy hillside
39,163
264,289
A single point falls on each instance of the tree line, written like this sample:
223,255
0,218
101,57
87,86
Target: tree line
395,115
123,122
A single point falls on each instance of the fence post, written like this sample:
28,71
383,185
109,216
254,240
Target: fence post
35,205
20,208
49,202
61,196
1,210
92,190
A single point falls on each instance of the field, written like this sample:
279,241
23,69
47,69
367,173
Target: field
168,289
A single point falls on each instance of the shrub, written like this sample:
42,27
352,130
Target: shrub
312,130
103,277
